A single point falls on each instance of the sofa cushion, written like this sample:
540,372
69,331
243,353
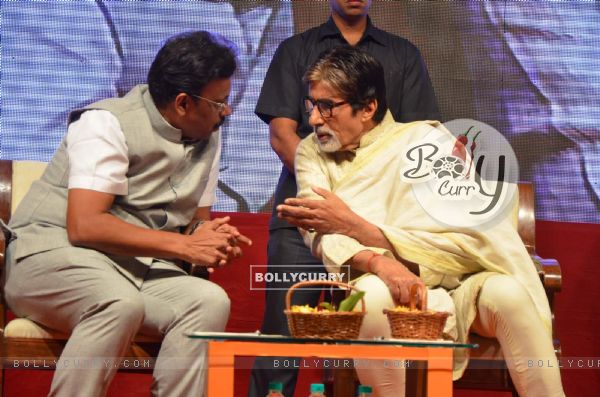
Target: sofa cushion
22,328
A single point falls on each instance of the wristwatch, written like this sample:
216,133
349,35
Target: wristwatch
196,225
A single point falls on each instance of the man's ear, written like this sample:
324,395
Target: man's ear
369,110
182,103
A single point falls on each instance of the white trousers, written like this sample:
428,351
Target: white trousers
504,311
79,291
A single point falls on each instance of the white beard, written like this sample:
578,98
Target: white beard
332,145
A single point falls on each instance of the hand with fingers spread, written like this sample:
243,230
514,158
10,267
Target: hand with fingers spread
236,236
235,239
328,216
215,243
398,278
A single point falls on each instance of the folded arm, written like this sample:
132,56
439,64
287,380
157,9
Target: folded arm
90,224
284,140
338,235
98,157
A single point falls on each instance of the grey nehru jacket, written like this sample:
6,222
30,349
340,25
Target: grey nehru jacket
164,177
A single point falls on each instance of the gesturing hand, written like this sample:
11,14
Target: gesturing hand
396,276
328,216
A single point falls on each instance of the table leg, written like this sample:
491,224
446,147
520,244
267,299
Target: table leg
439,373
220,370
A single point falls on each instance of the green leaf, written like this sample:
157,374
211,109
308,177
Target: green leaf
347,305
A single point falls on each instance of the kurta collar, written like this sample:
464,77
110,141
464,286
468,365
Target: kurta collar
158,122
377,131
330,29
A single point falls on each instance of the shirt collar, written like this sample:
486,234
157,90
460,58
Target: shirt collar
329,29
158,122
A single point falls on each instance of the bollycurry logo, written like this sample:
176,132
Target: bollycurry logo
463,173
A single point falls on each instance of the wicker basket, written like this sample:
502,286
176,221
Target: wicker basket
421,324
323,325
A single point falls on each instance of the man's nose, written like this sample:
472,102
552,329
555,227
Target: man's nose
315,118
227,111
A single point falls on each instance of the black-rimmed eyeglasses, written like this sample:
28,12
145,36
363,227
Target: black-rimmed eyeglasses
325,106
220,106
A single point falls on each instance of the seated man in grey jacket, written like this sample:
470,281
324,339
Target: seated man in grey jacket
97,243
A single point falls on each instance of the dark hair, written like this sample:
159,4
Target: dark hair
355,74
187,62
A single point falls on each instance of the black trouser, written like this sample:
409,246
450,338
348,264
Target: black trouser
286,254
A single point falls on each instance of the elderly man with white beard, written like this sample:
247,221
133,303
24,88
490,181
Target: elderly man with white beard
353,209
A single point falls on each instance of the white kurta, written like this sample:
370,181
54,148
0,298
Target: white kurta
369,181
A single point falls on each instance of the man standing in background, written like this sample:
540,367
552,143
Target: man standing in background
410,97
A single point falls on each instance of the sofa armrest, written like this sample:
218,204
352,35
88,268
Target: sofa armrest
2,250
550,273
2,275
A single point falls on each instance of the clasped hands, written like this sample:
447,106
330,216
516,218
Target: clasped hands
327,216
215,243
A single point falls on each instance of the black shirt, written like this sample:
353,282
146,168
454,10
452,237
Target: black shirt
410,95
